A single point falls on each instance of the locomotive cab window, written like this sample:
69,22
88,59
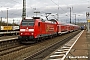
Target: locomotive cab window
28,22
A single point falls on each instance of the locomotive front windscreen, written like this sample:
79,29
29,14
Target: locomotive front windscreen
27,22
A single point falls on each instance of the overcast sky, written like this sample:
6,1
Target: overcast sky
45,6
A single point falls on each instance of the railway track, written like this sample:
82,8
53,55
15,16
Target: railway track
45,52
33,52
9,33
8,44
13,49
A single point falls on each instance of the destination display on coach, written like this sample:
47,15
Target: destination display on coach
9,27
6,28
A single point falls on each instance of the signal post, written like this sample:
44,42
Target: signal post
88,21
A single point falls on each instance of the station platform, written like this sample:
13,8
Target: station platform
6,38
81,50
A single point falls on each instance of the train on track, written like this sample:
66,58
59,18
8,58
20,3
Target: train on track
9,28
35,29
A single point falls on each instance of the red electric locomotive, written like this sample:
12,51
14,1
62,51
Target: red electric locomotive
35,29
32,30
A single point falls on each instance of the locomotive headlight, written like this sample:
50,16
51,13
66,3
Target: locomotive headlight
32,33
21,33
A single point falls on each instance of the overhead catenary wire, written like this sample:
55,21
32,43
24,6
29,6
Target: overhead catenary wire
42,11
58,6
63,9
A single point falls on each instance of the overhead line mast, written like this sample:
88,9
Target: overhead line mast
24,10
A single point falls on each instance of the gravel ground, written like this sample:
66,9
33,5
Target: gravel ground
5,37
21,54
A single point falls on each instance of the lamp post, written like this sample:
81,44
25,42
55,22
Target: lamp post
1,17
1,21
70,14
7,16
75,19
88,20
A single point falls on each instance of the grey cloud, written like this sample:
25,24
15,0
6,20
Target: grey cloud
9,3
44,7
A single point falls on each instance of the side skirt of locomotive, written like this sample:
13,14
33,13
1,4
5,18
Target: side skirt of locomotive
26,39
31,39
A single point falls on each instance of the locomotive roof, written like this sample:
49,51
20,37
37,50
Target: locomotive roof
53,20
36,17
